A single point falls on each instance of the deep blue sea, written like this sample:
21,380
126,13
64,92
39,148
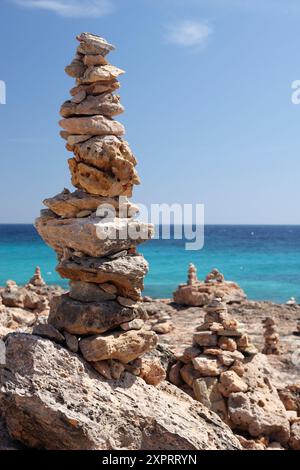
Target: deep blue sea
264,260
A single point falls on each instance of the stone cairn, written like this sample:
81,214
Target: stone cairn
271,337
196,293
100,316
212,369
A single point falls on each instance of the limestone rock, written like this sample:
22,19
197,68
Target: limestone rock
80,318
205,338
89,292
42,393
206,366
92,44
37,279
174,374
136,324
294,441
124,347
99,182
100,74
126,273
152,371
230,383
96,88
92,236
48,331
93,125
106,104
90,59
71,342
163,327
68,205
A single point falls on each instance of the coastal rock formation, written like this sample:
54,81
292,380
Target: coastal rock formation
93,229
271,337
52,399
198,294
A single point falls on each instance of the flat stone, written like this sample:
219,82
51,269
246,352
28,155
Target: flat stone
163,328
48,331
188,354
124,347
92,44
136,324
92,125
126,274
106,104
125,302
99,182
80,318
205,338
100,74
152,371
233,333
93,237
89,292
89,60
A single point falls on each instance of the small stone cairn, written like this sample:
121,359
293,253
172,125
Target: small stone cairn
93,229
271,337
212,369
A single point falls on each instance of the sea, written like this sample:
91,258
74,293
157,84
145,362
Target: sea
263,260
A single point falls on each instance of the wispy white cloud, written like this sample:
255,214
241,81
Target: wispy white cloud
188,33
71,8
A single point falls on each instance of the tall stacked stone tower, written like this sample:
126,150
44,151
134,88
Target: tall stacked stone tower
93,229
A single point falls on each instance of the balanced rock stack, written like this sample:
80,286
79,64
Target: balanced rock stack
213,367
271,337
92,229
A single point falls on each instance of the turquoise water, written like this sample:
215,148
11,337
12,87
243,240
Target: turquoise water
264,260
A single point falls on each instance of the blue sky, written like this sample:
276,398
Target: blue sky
207,93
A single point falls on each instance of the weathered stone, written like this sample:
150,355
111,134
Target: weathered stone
203,388
81,318
188,354
124,347
78,98
92,44
89,60
294,442
205,338
125,302
13,297
103,368
92,236
136,324
96,88
53,400
228,344
92,125
207,366
77,68
125,273
230,383
23,317
174,374
71,342
189,374
107,104
100,74
48,331
152,371
76,139
69,205
89,292
37,279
